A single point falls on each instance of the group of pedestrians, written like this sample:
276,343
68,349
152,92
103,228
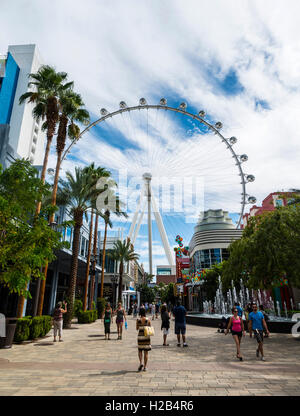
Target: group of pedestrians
256,323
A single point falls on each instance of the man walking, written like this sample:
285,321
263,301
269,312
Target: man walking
239,309
180,324
256,324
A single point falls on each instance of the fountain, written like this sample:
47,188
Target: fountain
278,308
221,306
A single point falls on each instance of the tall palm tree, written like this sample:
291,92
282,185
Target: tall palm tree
106,216
95,174
47,85
123,252
71,111
77,192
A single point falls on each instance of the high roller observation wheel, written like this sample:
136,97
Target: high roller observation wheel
229,142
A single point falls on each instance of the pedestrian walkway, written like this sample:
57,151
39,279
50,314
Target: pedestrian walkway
86,364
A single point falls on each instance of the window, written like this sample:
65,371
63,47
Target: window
279,202
82,249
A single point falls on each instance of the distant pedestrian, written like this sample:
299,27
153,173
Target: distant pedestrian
144,342
156,310
121,317
256,324
237,330
107,320
58,320
135,310
146,307
239,309
165,324
179,313
153,311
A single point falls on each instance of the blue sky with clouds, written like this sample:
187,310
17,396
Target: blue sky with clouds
238,61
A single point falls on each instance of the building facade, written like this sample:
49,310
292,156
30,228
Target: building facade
213,234
20,135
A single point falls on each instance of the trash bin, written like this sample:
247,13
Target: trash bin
10,327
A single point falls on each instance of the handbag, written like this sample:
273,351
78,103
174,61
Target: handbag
148,331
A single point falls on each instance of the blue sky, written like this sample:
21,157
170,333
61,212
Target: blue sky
238,61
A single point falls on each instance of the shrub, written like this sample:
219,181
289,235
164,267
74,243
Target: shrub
78,307
32,328
22,331
93,305
47,325
87,317
36,327
101,303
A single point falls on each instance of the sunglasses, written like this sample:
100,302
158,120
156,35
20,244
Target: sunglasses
234,311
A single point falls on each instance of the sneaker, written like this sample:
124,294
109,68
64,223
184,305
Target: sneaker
257,353
61,340
185,345
178,345
263,359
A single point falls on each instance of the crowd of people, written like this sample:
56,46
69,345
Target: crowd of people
256,323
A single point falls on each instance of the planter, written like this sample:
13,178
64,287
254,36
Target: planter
10,327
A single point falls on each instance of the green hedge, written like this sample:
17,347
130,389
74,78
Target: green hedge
87,317
22,332
78,307
32,328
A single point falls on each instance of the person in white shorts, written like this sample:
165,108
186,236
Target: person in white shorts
165,324
58,320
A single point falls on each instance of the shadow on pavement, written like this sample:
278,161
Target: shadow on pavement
114,373
43,344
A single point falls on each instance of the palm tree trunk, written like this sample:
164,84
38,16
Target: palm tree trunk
121,281
87,270
78,216
94,263
103,260
53,203
21,300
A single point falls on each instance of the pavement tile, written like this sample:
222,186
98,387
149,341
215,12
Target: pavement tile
86,365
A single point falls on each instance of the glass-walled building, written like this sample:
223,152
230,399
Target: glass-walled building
209,245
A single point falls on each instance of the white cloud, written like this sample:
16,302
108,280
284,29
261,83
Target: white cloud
132,49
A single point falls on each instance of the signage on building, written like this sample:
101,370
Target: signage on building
107,291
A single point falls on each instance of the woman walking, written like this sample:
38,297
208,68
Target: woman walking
107,320
121,316
144,342
165,324
237,330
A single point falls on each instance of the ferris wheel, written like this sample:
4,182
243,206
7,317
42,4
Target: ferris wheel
171,142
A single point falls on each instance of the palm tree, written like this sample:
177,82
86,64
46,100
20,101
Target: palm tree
48,84
70,105
106,217
123,252
77,192
95,174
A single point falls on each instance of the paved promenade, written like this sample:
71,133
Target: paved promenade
86,364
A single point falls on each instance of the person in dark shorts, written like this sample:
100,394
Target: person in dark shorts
121,316
256,324
237,331
107,320
165,324
144,342
179,313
